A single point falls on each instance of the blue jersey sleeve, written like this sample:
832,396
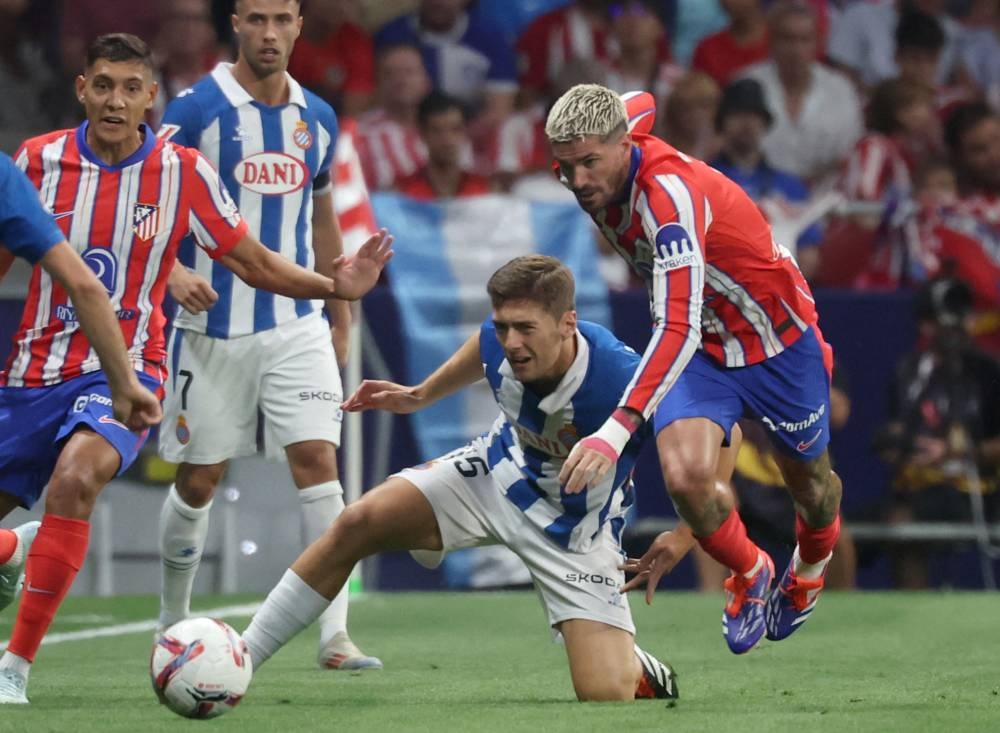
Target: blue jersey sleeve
26,228
328,119
795,190
182,120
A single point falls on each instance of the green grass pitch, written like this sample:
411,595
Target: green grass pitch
486,662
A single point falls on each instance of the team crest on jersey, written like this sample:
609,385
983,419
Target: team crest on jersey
183,432
146,221
302,137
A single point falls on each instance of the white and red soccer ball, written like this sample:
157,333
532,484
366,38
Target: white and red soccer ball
200,668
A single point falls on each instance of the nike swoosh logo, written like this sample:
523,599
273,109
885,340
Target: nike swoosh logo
805,445
111,421
62,215
32,589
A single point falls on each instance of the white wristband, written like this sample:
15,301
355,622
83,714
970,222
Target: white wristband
614,434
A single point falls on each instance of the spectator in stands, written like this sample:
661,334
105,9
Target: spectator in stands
742,121
334,56
576,33
465,58
817,114
25,77
862,39
973,138
942,439
743,43
444,129
903,129
185,49
920,43
388,137
642,62
889,243
687,120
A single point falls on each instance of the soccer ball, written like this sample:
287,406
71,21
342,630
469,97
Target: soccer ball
200,668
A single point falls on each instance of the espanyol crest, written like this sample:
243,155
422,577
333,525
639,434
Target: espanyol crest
145,221
301,136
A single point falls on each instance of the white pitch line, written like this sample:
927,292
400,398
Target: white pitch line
247,609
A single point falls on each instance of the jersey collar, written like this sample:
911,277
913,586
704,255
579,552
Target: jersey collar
140,153
236,95
633,169
568,385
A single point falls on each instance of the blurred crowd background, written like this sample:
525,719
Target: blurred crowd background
868,131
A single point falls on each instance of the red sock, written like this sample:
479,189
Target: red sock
8,543
816,544
730,545
53,562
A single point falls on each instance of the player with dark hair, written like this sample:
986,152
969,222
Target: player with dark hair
124,199
273,143
734,331
554,379
28,231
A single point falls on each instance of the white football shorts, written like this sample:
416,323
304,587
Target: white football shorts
471,511
216,386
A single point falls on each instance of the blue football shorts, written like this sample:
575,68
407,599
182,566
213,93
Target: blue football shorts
789,393
35,423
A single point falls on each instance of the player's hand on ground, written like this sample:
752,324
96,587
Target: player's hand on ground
355,275
194,293
587,464
662,556
136,407
341,338
377,394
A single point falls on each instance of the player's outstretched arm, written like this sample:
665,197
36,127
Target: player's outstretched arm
462,368
356,275
133,404
259,267
193,292
668,549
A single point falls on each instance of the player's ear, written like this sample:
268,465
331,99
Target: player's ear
568,324
154,89
80,82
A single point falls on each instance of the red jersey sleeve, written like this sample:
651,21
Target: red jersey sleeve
214,219
675,216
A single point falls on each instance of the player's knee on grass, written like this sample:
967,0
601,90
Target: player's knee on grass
196,483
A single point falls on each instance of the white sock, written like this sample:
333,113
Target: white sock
808,571
320,505
290,607
183,530
9,660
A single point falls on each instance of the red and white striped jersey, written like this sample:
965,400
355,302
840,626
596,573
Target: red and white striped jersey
875,168
126,221
716,278
388,150
350,194
556,39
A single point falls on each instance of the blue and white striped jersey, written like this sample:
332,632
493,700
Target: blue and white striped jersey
532,437
273,160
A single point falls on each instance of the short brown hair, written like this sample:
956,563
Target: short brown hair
539,278
119,47
890,98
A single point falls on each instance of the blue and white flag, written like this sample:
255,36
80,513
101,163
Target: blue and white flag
445,253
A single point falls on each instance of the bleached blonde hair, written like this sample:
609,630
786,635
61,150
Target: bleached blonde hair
586,109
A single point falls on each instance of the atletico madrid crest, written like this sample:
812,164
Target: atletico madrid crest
146,221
